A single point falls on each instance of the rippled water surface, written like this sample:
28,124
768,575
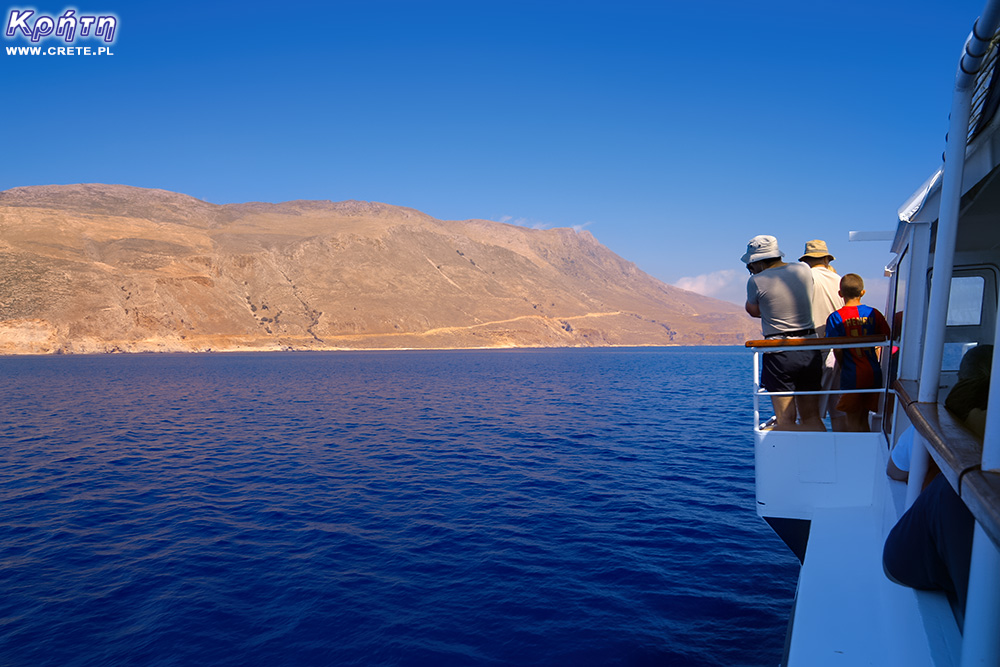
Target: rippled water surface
577,507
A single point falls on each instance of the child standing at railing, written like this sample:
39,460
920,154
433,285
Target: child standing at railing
859,366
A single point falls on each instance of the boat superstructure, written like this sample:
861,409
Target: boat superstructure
827,494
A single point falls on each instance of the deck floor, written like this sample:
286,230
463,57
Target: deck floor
848,613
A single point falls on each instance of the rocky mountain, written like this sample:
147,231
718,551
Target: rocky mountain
104,268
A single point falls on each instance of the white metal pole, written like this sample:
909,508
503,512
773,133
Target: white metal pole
980,639
991,437
976,48
980,643
944,263
944,248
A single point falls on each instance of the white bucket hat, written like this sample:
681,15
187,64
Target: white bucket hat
761,247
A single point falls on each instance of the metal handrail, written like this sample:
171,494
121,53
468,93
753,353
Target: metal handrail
771,345
822,392
833,342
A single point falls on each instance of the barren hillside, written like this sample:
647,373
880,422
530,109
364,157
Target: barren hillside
98,268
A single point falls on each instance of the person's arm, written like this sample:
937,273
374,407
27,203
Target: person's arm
834,328
893,471
752,305
902,451
881,327
976,421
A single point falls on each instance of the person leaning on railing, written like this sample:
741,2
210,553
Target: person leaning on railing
930,547
966,400
780,294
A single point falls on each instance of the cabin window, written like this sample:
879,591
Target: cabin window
965,305
971,312
952,355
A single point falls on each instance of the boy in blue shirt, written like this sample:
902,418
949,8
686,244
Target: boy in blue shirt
860,365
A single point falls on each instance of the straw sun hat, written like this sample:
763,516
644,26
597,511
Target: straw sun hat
816,248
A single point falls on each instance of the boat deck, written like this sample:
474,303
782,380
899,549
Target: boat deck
848,613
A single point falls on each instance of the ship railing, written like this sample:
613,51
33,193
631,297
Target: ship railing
771,345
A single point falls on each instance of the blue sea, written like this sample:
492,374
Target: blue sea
519,507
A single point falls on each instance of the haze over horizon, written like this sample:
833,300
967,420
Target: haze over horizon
671,131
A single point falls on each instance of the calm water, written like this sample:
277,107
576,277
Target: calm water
577,507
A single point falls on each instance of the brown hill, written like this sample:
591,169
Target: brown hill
97,268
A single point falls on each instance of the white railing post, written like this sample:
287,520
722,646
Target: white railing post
980,638
756,389
944,248
991,437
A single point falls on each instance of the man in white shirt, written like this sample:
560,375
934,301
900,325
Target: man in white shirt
826,299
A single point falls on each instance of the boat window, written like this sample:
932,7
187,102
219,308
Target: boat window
965,305
971,313
952,355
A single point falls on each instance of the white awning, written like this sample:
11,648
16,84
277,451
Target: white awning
922,206
981,157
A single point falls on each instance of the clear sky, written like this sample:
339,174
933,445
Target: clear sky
673,131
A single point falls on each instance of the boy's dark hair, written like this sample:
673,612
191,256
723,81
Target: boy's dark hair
851,286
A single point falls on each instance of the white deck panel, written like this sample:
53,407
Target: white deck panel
848,613
798,472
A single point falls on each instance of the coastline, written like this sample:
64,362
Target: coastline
276,350
40,337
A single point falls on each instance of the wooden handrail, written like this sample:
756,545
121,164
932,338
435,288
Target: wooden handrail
958,453
798,342
981,493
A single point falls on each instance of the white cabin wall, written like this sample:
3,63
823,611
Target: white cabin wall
915,305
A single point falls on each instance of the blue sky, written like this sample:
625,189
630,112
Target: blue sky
673,131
